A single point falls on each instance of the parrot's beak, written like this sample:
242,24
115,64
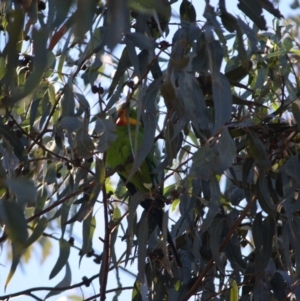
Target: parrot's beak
123,119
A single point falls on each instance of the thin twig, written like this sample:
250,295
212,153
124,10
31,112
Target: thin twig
110,291
45,288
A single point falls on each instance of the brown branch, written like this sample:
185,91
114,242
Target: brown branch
45,288
110,291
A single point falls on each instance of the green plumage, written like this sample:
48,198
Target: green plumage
120,156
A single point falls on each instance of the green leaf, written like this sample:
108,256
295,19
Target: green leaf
214,204
133,57
251,35
264,196
51,174
88,229
12,49
296,112
37,231
233,252
2,67
94,45
142,240
292,168
83,144
39,66
296,244
123,64
225,152
87,207
61,10
34,110
238,73
268,233
228,20
62,260
200,61
16,143
193,99
119,22
269,6
117,214
13,217
133,204
254,11
258,241
41,198
105,129
202,163
215,230
263,232
257,151
137,292
187,11
70,123
222,98
172,143
285,244
84,105
24,190
211,16
149,125
67,102
16,255
278,284
215,54
65,282
84,18
141,41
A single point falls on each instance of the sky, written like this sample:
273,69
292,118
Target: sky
35,274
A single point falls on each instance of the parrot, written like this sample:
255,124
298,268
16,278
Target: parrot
119,156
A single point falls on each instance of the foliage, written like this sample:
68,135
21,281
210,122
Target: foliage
222,96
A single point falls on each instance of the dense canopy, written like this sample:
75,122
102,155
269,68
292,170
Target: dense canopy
216,98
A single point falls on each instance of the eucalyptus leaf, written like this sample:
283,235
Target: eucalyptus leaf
62,260
12,215
65,282
254,12
24,190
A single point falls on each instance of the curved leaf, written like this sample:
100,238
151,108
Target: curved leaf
187,11
65,282
24,190
142,239
215,230
16,255
149,124
222,98
37,231
62,260
254,12
12,215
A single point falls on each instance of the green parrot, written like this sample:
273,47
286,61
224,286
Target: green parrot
119,156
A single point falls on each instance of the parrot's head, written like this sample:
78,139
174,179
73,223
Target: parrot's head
126,117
